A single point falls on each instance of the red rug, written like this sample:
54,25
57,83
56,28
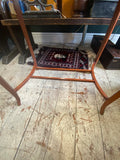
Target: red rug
62,58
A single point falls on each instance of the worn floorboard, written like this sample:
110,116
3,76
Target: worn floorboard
110,121
59,120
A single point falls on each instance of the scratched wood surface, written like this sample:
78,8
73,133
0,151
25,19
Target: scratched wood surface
110,122
59,120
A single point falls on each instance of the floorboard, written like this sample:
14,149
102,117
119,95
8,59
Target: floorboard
59,120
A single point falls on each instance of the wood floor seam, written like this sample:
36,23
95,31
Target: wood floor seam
26,127
100,128
75,126
51,127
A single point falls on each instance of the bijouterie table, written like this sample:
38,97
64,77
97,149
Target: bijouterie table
66,21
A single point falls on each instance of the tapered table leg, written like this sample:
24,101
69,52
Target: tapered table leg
109,101
10,89
84,35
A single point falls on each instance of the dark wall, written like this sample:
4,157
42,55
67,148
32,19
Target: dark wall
74,29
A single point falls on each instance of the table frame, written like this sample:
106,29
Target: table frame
23,24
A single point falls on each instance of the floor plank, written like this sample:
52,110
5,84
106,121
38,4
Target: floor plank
36,138
58,119
14,119
110,121
88,132
62,138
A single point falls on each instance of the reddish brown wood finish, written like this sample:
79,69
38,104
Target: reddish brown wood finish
10,89
109,101
63,79
65,69
97,84
110,29
26,79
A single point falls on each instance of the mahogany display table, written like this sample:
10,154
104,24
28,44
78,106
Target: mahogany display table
85,21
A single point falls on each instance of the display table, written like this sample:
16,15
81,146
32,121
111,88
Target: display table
63,22
60,21
84,21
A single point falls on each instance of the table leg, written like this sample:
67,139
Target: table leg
34,45
19,41
84,35
10,89
59,5
109,101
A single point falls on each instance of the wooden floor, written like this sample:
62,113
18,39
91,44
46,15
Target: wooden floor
59,120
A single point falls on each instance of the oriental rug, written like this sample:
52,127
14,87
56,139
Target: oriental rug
61,58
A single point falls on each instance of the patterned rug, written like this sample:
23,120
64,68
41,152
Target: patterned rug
61,58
